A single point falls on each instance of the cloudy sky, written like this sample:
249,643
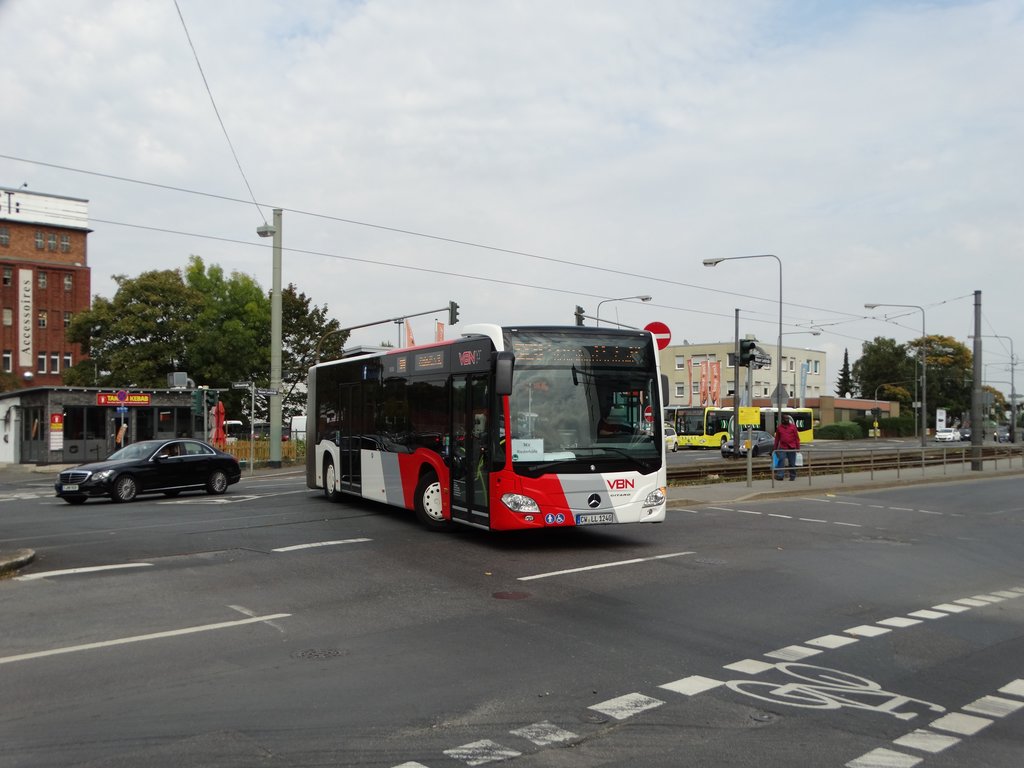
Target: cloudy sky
524,157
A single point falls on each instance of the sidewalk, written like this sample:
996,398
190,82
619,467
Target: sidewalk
681,496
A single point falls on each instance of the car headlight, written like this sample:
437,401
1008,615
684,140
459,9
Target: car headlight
655,497
519,503
104,475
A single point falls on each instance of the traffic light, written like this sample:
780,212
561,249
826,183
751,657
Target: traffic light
747,351
453,313
579,315
197,401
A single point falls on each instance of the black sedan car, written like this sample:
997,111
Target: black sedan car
761,444
151,466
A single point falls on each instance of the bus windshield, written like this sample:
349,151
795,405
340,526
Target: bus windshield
589,401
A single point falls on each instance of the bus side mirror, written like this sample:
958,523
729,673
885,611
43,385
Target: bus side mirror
503,373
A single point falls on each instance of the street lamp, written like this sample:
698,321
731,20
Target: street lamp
1013,388
924,367
624,298
267,230
778,362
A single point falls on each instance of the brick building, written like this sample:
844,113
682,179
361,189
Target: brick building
44,281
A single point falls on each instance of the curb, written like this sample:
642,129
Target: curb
19,559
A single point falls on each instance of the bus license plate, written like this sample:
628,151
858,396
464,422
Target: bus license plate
595,518
69,487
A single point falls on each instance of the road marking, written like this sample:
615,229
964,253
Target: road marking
899,622
775,514
993,706
792,653
867,630
971,602
850,525
480,752
965,725
950,608
626,706
544,734
603,565
72,571
926,614
141,638
295,547
926,741
691,686
831,641
750,666
812,520
884,758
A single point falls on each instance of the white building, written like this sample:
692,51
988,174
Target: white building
700,374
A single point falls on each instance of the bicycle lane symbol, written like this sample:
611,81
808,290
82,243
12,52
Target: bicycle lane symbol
824,688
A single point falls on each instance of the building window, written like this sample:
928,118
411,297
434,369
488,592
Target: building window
51,242
8,361
680,391
5,236
680,362
696,387
69,281
67,319
67,360
65,243
40,241
41,362
54,362
41,318
8,275
41,279
8,316
817,366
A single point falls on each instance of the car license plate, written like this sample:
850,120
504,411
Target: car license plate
69,487
595,519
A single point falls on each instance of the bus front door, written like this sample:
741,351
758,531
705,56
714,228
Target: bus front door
469,463
349,441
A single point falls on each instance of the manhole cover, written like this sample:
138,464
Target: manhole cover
510,595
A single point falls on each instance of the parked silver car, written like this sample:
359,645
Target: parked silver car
761,444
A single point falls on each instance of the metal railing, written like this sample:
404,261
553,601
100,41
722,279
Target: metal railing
925,461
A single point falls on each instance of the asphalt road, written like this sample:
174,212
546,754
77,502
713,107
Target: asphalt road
269,627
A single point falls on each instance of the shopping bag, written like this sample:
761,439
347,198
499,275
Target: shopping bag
776,459
799,459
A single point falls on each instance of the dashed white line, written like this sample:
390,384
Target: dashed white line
544,734
899,622
884,758
141,638
926,614
993,706
792,653
603,565
831,641
71,571
965,725
691,686
622,707
775,514
481,752
926,741
319,544
750,666
950,608
867,630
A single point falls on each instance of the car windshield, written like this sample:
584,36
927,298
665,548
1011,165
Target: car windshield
135,450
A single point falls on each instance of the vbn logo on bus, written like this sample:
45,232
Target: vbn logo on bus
621,484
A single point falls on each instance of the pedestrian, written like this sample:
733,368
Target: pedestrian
787,443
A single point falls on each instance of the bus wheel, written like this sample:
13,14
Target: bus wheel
428,503
331,492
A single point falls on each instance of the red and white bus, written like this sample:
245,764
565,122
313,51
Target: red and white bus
504,428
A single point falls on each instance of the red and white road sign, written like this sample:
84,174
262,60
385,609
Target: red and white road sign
662,335
648,415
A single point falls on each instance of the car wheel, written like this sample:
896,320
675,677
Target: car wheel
675,447
74,500
217,482
125,489
331,492
429,509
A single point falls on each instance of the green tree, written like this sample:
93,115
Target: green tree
887,368
303,326
845,382
139,336
950,374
